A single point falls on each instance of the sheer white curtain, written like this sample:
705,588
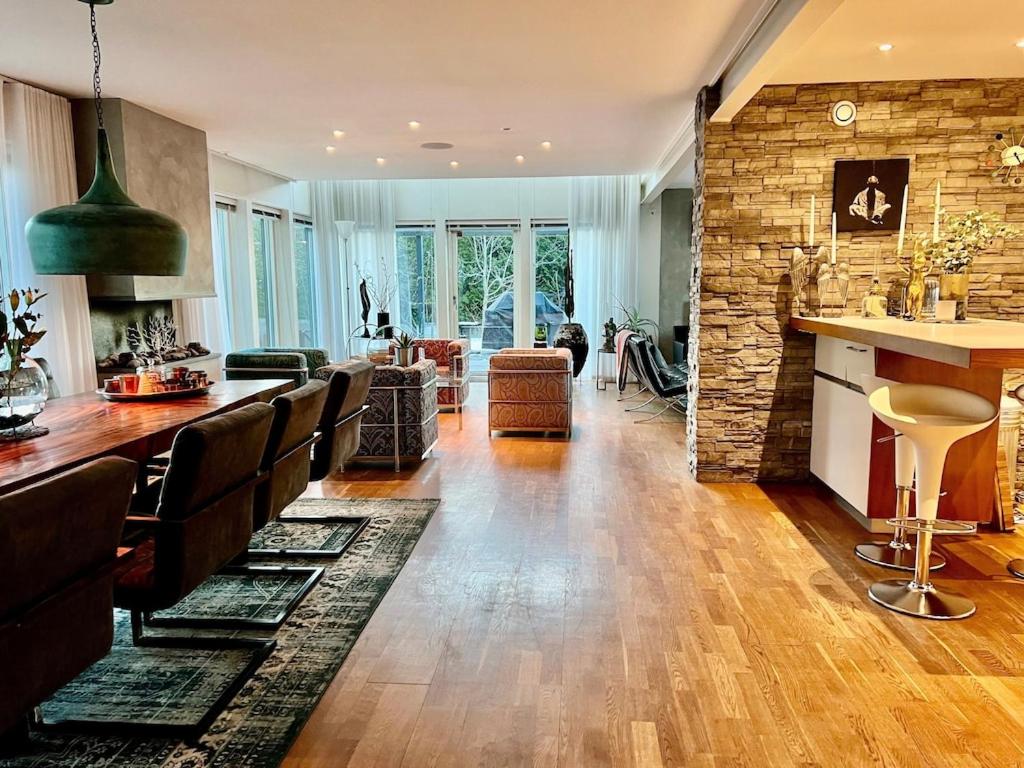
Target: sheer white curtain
370,205
38,172
604,226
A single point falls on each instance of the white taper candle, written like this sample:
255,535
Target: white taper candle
903,220
938,206
833,237
812,222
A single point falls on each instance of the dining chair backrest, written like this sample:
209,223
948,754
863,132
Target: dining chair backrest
206,499
286,458
348,389
58,549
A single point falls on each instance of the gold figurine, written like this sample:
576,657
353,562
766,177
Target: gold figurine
920,267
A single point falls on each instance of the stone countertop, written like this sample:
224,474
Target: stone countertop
970,344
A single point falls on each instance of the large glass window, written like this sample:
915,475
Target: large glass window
304,287
263,224
485,298
551,251
417,294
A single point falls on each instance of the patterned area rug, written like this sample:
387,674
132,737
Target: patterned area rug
263,719
328,538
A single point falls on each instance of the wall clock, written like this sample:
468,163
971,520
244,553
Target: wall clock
1009,159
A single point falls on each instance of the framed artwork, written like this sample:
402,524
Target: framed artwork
867,195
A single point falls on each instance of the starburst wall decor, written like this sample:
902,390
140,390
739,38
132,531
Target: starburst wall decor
1009,159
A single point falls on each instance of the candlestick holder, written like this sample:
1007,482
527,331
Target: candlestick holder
800,270
833,288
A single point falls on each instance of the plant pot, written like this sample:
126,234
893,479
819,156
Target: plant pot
571,336
23,394
956,288
404,356
384,322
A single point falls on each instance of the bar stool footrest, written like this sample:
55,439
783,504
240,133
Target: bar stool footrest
937,527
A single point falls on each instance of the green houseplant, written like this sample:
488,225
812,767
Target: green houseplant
634,322
964,238
23,385
404,348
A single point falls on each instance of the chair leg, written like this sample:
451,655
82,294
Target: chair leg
669,404
642,405
640,391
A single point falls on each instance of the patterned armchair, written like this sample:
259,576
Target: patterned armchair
530,390
402,420
296,363
451,356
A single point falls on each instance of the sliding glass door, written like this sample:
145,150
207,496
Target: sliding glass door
484,295
263,225
551,254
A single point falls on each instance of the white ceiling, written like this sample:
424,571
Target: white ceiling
931,39
607,82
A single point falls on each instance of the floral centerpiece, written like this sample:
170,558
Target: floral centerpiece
965,238
23,384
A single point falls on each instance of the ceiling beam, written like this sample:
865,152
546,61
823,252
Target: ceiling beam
670,163
780,35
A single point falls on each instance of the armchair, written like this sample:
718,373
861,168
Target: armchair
530,390
402,420
452,358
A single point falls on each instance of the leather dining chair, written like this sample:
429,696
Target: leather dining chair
348,389
58,554
200,512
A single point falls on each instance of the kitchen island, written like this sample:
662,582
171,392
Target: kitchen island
845,450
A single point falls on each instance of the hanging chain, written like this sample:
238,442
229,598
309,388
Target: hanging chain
96,59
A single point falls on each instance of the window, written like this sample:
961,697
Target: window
551,253
5,256
417,295
305,294
263,225
484,277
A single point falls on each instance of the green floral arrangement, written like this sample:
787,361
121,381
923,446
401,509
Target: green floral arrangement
966,237
18,331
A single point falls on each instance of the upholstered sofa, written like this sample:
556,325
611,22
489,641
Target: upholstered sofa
296,363
452,358
402,420
530,390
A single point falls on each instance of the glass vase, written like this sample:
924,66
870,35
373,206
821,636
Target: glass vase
23,391
956,287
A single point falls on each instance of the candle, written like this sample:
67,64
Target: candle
938,205
812,222
833,237
903,221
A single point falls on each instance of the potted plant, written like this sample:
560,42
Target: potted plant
572,336
404,349
964,239
23,384
633,322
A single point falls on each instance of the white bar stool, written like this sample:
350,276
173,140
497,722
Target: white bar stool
931,418
898,553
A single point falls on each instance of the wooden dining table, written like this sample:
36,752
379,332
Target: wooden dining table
86,426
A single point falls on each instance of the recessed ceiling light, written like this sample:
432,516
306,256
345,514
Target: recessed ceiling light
885,47
1020,43
545,145
381,160
506,129
454,163
414,125
520,159
330,149
339,134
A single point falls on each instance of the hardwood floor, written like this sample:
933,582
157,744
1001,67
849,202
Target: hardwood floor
588,604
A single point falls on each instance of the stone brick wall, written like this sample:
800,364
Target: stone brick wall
750,376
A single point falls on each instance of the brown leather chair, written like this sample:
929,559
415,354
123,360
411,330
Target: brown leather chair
58,550
286,459
348,389
203,511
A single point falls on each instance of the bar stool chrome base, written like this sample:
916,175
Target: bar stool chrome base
1016,567
925,602
897,558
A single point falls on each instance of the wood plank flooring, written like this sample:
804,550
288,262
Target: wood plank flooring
585,603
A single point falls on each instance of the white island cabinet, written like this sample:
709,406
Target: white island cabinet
841,421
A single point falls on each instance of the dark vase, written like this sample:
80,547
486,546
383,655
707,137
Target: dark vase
384,321
571,336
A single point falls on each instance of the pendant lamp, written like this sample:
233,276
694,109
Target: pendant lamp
105,232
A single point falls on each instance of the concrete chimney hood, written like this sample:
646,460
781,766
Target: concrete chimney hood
162,164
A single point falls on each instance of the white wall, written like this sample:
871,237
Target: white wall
649,260
234,179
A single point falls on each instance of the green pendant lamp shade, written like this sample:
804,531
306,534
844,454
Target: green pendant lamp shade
105,232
